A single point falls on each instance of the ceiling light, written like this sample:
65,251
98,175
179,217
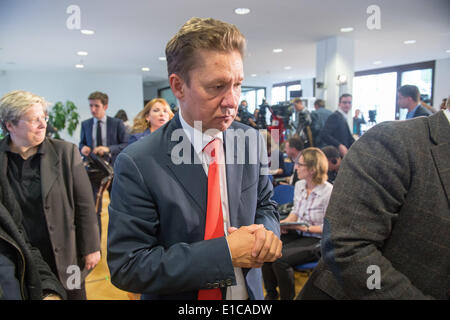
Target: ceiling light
287,68
242,11
409,41
347,29
145,69
162,58
87,32
253,74
278,50
82,53
377,62
448,51
79,66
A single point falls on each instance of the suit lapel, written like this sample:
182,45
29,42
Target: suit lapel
49,169
89,136
439,134
185,164
109,131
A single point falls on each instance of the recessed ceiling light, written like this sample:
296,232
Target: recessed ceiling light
145,69
79,66
242,11
162,58
87,32
377,62
82,53
409,41
448,51
253,74
278,50
347,29
287,68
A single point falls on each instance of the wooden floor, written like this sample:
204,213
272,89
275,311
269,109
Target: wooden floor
98,282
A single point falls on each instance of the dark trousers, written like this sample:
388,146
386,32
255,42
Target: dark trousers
296,250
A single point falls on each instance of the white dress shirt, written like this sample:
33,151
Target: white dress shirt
239,291
94,131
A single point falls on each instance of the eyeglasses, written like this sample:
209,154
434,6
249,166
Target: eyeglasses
37,121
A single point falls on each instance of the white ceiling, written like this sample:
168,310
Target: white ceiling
132,34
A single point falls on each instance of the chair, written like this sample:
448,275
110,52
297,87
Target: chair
289,168
283,194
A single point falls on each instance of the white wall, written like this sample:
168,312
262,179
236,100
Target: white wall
441,81
125,91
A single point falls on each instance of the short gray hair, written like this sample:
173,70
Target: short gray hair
15,104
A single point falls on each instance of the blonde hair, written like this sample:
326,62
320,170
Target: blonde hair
314,158
15,104
197,34
140,123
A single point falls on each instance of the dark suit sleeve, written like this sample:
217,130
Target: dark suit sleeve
121,138
329,129
86,223
83,140
137,260
266,209
368,194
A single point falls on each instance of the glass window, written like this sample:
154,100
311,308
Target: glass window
423,79
278,94
295,87
375,94
250,97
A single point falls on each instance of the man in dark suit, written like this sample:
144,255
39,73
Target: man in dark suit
166,187
102,135
318,118
408,97
336,131
386,228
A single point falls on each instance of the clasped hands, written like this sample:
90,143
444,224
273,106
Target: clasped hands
251,246
101,150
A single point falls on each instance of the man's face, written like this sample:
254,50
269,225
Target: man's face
346,104
403,102
98,109
212,96
299,106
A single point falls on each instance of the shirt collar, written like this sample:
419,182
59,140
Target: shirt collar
410,114
342,112
198,139
103,120
317,189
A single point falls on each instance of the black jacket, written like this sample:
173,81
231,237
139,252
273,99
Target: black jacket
336,131
29,270
20,263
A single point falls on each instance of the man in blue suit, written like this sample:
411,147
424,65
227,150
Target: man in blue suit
101,135
160,203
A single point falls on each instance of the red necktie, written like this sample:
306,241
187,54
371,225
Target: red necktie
214,216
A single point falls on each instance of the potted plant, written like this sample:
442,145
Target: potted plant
64,116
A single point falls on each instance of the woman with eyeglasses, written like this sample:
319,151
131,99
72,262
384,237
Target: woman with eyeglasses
44,183
300,242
